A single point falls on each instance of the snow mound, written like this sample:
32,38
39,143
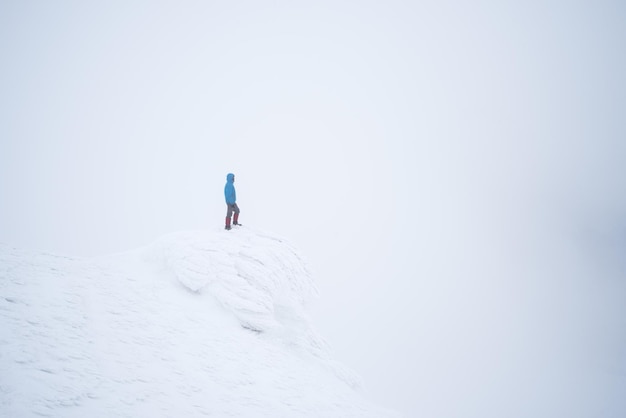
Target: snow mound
202,323
257,276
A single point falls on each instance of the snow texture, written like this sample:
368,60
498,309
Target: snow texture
200,323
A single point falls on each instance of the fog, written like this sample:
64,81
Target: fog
453,171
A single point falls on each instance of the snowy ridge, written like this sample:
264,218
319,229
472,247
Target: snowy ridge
255,275
202,323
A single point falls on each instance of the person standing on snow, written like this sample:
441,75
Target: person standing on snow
231,201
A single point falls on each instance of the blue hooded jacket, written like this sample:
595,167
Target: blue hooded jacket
229,189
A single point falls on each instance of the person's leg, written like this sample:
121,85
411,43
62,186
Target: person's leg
236,217
229,213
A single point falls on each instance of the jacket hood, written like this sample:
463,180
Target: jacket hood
230,177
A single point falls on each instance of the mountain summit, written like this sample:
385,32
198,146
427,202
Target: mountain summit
199,323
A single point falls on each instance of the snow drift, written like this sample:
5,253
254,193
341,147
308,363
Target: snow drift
204,323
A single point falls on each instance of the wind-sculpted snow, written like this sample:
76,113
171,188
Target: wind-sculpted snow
206,323
257,276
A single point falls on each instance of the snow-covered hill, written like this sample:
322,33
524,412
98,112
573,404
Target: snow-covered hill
203,323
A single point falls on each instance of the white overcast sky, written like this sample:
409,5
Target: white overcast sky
454,171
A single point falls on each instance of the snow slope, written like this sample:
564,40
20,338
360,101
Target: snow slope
203,323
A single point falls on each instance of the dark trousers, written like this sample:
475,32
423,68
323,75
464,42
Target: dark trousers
232,208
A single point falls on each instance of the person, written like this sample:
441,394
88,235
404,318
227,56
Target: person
231,201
